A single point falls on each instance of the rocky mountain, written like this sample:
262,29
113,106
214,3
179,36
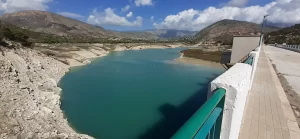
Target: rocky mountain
51,23
47,22
289,35
42,26
224,30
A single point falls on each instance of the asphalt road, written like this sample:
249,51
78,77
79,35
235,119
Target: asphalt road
287,66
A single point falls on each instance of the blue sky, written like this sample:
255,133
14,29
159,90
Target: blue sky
166,14
159,9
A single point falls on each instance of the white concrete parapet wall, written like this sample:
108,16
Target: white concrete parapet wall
236,81
255,55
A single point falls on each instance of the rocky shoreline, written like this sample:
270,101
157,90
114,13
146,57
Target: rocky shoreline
29,95
81,54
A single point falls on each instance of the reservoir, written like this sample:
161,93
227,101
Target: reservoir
132,94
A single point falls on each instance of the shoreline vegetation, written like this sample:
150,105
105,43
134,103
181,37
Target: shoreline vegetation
31,103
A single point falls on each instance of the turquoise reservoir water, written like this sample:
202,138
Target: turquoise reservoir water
134,94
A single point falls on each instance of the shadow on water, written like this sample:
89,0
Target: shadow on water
175,116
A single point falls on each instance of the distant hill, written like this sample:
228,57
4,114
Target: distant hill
289,35
18,34
169,33
136,35
47,22
224,30
157,33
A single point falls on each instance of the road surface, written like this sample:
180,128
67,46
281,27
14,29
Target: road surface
287,66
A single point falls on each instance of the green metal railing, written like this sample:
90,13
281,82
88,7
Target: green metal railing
249,60
206,122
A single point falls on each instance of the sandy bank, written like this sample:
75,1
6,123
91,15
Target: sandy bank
200,62
204,55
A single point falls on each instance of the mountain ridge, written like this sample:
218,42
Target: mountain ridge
68,28
52,23
224,30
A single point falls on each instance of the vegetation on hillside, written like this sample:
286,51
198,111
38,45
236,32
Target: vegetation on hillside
13,34
26,37
289,35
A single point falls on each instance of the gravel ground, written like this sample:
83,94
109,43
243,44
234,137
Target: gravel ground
287,66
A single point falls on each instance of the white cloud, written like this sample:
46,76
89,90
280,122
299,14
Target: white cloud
143,2
183,20
287,12
129,14
283,1
108,17
126,8
9,6
152,18
237,3
69,14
